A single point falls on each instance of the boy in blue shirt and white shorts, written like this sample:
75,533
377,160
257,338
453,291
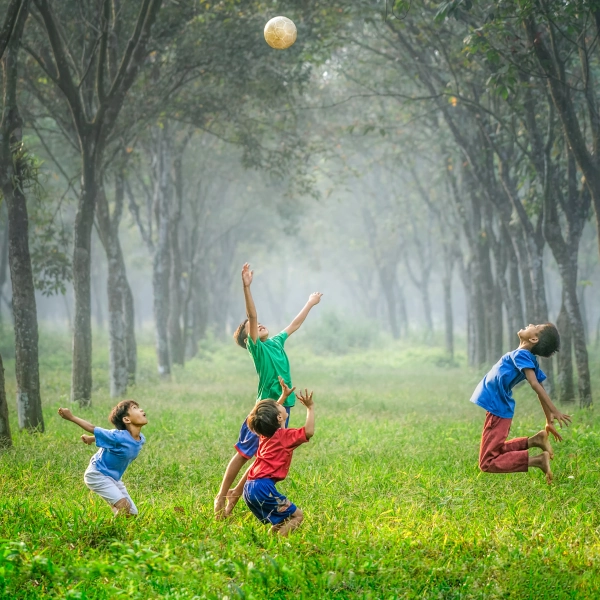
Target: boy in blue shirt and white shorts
494,394
118,449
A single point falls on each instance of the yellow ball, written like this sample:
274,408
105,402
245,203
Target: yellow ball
280,33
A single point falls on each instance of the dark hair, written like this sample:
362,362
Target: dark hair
119,411
263,418
548,341
240,336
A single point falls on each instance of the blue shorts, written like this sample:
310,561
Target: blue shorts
266,503
247,443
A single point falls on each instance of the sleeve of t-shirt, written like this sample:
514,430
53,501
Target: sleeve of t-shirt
255,348
280,338
523,359
106,438
292,438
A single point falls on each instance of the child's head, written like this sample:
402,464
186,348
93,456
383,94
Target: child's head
127,412
266,418
241,333
544,339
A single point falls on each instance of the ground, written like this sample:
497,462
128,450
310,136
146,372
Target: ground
394,504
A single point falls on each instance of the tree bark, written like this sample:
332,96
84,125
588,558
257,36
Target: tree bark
566,389
13,179
5,437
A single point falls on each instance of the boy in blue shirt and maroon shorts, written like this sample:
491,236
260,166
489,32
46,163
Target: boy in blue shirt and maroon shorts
494,394
118,449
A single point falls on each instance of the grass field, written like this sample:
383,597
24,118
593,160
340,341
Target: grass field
395,506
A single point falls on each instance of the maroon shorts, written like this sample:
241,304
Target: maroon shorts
497,455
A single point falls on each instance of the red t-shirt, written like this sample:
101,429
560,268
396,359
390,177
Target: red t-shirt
274,454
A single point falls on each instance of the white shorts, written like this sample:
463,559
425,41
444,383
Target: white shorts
108,488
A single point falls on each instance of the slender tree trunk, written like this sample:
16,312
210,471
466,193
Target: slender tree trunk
12,184
130,339
402,312
162,255
81,374
5,437
448,314
566,390
387,285
3,264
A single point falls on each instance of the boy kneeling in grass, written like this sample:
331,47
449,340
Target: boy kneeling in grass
118,449
494,394
273,459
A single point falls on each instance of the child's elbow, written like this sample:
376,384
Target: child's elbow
309,433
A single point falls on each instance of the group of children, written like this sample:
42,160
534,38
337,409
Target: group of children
266,436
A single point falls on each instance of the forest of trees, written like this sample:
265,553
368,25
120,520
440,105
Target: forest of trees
437,150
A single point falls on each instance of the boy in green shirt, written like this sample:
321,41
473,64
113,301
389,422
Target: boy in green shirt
271,362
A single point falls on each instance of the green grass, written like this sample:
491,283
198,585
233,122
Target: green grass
394,504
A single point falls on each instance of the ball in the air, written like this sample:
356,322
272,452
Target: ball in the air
280,33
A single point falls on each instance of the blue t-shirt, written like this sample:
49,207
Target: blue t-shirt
118,449
494,392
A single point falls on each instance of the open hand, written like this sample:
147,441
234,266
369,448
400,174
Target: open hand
306,398
285,391
247,275
562,418
314,298
551,430
65,413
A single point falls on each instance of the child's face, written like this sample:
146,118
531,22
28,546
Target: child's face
531,333
282,416
136,416
263,332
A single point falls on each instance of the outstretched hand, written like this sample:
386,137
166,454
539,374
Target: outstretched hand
315,298
306,398
285,391
551,430
562,418
247,275
65,413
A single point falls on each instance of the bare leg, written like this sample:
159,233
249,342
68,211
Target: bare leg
233,468
235,494
284,528
122,508
542,461
541,440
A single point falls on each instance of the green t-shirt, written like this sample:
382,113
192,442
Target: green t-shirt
271,361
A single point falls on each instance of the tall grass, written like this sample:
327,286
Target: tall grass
394,504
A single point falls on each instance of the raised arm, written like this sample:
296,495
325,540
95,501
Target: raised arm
313,299
548,407
307,399
66,414
247,276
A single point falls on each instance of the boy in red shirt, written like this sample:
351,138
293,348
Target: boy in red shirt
273,460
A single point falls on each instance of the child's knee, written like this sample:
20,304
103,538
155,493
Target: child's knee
298,516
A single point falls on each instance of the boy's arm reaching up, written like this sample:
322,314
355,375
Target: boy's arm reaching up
66,414
307,400
548,407
247,276
285,391
313,299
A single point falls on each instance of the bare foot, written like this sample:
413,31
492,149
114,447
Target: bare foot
541,440
232,500
88,439
219,507
545,466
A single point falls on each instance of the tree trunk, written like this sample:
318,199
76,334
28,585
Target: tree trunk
81,374
130,339
162,256
566,390
5,437
3,264
387,286
13,159
448,315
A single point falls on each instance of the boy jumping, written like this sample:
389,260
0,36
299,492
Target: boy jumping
271,362
494,394
273,459
118,449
